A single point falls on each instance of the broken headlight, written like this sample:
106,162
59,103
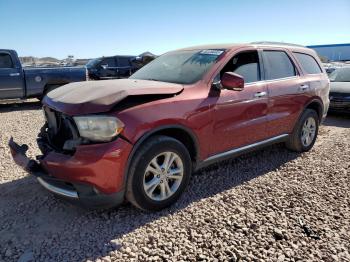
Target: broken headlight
98,128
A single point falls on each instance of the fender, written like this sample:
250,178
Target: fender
148,134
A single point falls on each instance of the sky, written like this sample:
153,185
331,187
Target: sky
91,28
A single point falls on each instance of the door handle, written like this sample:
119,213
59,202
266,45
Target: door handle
260,94
14,74
304,87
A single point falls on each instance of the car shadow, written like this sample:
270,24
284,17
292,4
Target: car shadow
20,106
337,120
33,219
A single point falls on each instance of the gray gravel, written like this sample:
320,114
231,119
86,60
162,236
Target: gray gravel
248,209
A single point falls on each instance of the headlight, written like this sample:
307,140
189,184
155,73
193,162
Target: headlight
98,128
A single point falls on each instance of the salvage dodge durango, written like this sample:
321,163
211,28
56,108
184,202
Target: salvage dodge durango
139,139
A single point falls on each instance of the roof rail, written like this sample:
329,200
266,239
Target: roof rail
274,43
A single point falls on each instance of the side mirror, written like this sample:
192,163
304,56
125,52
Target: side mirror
232,81
104,66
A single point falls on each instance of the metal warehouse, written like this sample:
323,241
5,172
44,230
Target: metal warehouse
337,52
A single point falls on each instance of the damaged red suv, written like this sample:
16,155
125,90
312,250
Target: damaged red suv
139,139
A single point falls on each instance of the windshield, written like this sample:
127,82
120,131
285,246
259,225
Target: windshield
182,67
93,62
340,75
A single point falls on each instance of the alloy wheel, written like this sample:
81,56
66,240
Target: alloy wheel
163,176
308,131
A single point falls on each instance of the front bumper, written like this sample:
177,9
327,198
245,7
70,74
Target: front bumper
339,104
93,176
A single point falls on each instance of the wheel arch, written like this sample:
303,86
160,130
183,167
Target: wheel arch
316,105
179,132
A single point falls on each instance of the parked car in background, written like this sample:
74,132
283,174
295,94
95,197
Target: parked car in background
141,138
20,83
339,95
114,67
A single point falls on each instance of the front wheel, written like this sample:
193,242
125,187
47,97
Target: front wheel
305,132
158,173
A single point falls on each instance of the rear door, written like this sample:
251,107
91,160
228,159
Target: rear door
11,77
288,91
124,67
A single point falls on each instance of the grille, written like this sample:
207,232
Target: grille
60,129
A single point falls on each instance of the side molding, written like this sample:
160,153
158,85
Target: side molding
238,151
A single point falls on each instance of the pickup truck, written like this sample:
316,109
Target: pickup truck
21,83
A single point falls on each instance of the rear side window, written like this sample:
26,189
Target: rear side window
277,65
308,63
123,62
5,61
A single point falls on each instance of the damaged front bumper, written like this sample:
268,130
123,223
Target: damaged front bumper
88,177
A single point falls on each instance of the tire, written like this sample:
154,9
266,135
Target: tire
47,89
297,141
50,88
147,180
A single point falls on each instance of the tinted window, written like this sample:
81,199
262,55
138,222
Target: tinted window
245,64
110,62
308,63
123,61
277,64
5,61
93,62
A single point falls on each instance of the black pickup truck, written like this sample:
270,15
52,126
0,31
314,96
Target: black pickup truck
20,83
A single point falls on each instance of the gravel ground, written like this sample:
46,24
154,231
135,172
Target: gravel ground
270,205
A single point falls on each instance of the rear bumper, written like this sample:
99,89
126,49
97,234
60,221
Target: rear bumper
93,176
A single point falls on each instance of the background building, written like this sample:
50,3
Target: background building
338,52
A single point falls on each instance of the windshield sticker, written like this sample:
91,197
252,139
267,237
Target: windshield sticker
211,52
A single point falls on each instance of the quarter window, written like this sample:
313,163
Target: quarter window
5,61
245,64
277,65
308,63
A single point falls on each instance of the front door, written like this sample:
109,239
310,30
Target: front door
11,78
240,116
108,68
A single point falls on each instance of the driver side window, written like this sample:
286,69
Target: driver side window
245,64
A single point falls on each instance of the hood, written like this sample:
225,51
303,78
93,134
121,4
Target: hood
340,87
101,96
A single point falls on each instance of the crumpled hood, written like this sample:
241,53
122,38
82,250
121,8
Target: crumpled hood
340,87
100,96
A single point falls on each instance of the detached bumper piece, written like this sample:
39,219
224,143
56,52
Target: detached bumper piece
85,195
52,184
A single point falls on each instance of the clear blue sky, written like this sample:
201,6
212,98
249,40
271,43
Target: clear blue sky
88,28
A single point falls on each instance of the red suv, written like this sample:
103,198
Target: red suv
139,139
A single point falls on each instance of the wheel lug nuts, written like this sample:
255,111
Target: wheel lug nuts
158,176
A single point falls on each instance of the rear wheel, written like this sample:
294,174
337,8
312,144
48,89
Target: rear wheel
305,132
158,173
